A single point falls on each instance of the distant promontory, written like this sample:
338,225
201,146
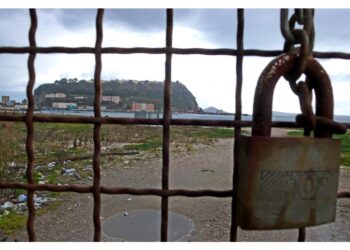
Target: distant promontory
128,95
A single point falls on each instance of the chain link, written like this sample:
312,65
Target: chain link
302,17
305,100
305,37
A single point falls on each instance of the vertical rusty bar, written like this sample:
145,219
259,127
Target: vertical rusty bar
97,127
238,116
301,234
166,124
30,125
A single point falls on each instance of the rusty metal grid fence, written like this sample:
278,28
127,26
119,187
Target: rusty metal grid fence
96,189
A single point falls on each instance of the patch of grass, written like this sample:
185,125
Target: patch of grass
18,192
53,206
11,222
201,132
65,126
212,133
52,177
14,221
345,149
150,145
345,159
345,142
181,135
54,194
219,133
296,133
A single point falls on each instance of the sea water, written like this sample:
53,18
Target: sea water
275,117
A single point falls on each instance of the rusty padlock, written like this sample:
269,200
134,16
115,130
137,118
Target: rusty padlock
287,182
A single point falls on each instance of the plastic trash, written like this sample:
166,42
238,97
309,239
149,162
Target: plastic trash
7,204
40,199
22,198
69,171
51,164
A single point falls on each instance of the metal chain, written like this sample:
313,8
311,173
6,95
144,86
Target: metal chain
293,36
305,100
305,37
302,17
303,89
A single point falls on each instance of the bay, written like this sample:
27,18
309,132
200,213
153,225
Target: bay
278,116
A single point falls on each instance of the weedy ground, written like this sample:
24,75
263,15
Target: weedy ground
70,146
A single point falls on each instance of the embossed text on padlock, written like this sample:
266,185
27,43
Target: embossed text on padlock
287,182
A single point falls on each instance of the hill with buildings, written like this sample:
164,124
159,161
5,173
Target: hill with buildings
117,95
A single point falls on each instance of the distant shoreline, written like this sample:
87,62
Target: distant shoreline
276,116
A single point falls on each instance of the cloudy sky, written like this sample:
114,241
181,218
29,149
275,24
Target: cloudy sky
210,78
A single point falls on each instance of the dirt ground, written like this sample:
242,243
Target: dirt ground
208,167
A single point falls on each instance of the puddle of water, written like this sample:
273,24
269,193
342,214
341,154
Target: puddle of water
144,225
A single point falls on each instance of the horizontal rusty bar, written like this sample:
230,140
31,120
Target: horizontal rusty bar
83,119
209,123
46,50
144,50
117,190
162,50
140,121
168,193
130,191
47,187
344,194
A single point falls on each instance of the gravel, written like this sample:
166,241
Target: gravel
208,167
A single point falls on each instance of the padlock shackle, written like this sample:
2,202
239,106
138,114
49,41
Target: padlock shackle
262,109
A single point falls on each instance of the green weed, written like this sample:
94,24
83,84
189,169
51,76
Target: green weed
11,222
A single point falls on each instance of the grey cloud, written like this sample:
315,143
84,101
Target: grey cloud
262,30
332,29
73,19
14,25
218,25
13,74
11,13
136,19
262,27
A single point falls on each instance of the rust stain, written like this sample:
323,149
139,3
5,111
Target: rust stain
295,191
